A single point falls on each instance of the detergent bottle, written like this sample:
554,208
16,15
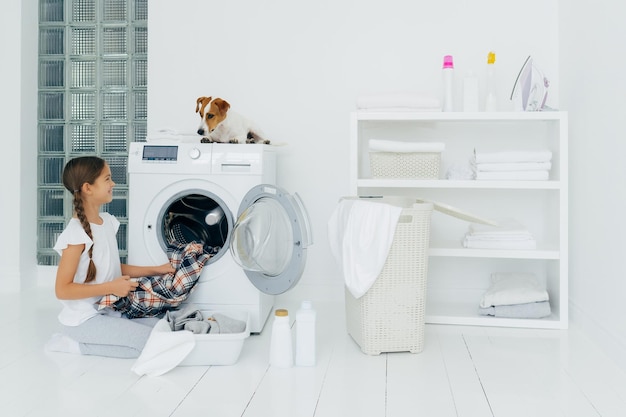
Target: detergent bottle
281,347
448,83
305,335
491,103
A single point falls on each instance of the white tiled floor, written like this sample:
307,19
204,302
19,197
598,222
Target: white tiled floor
462,372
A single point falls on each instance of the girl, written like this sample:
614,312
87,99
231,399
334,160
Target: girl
90,268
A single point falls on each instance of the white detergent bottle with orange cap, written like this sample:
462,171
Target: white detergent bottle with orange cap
491,102
281,345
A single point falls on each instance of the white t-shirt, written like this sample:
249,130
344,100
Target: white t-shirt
106,258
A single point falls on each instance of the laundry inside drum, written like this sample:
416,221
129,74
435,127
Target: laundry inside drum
196,218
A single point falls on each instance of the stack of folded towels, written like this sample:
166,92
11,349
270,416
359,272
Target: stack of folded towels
512,165
515,295
398,101
508,234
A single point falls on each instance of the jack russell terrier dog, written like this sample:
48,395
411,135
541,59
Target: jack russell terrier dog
220,124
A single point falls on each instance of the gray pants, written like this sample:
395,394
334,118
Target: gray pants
112,336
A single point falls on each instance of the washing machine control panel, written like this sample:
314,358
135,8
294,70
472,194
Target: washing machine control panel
160,153
194,153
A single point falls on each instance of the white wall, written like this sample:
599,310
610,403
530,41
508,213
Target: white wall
594,87
295,68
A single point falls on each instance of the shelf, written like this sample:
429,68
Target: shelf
439,311
551,322
458,275
449,184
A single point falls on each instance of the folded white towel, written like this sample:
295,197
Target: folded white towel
526,244
513,166
401,100
513,175
360,235
534,310
498,238
512,156
508,234
506,226
164,350
509,288
378,145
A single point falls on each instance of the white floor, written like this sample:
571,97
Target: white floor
463,371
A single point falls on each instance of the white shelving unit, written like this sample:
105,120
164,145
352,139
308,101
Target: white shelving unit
458,277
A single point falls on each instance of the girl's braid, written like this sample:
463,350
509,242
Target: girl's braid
77,172
80,213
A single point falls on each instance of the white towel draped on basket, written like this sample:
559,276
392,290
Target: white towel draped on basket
361,234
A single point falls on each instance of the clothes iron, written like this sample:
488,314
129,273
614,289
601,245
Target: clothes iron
530,89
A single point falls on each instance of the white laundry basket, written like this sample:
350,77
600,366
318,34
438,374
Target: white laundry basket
390,317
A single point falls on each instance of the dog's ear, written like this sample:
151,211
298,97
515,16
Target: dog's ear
201,103
222,105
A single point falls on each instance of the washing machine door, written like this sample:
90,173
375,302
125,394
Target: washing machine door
270,238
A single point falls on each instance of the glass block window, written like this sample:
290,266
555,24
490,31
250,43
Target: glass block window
92,101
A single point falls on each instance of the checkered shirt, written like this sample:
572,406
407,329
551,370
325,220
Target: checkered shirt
156,294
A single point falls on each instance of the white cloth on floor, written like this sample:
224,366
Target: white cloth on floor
512,156
398,101
164,350
508,288
513,175
381,145
360,235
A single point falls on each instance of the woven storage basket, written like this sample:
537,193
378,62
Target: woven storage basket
390,317
420,165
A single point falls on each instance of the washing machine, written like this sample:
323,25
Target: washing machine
223,195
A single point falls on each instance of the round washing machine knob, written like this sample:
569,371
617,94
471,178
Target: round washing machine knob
194,153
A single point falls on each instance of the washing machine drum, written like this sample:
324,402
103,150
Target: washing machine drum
185,230
196,218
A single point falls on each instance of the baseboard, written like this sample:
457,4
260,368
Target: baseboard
609,342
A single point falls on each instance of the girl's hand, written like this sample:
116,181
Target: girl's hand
165,269
123,285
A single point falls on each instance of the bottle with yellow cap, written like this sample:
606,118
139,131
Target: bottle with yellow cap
281,345
491,102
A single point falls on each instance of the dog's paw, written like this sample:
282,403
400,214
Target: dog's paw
205,140
262,141
234,140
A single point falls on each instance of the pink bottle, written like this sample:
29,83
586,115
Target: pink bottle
448,81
